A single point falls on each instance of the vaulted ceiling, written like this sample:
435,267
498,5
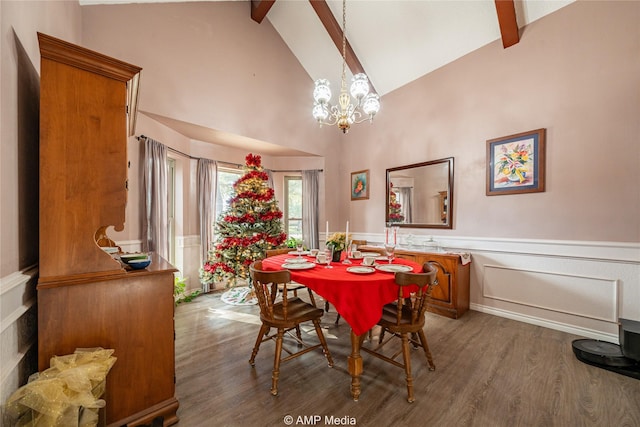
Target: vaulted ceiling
393,41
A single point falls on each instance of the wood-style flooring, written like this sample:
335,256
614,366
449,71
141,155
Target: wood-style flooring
490,371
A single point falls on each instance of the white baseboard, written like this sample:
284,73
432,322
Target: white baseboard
559,326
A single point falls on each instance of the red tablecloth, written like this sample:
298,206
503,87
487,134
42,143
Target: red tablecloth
358,298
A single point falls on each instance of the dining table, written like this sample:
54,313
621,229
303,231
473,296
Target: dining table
358,294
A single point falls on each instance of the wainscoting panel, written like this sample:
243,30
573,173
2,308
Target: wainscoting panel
18,330
591,297
188,260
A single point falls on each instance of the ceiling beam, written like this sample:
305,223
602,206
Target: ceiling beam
508,23
260,8
335,32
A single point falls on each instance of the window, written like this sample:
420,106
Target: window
293,206
226,178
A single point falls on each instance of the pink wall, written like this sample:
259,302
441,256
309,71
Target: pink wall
19,137
576,73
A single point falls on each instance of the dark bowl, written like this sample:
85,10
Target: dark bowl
138,264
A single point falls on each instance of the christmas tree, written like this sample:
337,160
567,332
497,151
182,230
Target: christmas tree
251,225
394,206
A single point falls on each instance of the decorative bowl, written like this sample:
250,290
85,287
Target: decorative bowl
139,264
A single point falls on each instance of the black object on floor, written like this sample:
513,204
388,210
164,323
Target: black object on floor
623,359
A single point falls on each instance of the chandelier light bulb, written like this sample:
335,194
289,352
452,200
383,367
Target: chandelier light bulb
371,105
320,112
359,86
322,91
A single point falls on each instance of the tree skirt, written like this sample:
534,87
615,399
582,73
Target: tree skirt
243,295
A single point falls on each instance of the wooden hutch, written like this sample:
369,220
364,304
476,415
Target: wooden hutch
86,298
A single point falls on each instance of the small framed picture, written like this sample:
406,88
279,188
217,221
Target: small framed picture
360,185
516,163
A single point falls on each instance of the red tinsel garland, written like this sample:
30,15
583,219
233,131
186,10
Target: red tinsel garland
265,197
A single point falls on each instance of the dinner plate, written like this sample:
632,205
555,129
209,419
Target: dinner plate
356,257
361,270
382,258
296,260
393,268
298,265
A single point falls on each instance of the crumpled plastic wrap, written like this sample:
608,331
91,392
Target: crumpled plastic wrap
65,395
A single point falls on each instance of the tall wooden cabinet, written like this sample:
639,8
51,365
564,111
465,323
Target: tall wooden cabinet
85,298
451,297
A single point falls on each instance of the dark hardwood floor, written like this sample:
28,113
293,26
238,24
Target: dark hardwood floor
490,371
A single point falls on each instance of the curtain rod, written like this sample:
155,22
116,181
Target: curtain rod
298,170
219,161
190,156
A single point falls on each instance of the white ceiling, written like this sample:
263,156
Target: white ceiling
396,41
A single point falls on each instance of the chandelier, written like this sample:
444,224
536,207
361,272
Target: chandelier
347,112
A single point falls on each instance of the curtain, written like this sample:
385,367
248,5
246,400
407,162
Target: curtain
207,177
405,201
269,177
155,225
310,190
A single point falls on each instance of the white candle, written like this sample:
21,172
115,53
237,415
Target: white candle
326,233
346,236
386,235
395,232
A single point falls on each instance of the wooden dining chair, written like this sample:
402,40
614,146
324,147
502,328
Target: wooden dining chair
283,316
292,286
405,319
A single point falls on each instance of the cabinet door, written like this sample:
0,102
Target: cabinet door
442,292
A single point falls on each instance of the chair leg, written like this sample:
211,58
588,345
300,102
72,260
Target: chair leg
407,367
263,331
276,363
326,309
299,335
312,298
427,352
323,341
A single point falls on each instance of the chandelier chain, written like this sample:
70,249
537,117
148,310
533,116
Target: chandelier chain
344,45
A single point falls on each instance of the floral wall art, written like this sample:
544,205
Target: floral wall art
360,185
515,163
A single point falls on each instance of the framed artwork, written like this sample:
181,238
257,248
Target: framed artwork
360,185
516,163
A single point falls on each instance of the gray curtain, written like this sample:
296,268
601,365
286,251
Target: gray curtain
406,201
310,190
207,176
155,225
269,177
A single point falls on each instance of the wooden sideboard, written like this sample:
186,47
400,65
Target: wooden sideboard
86,298
451,297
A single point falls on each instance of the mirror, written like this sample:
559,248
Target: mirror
420,195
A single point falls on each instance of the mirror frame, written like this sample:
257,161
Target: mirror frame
449,223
